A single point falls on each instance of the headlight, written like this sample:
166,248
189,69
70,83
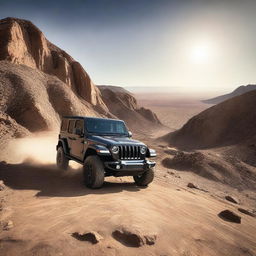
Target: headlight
143,150
115,149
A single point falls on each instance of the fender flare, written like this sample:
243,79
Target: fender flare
99,150
64,145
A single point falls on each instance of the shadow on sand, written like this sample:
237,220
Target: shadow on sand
52,182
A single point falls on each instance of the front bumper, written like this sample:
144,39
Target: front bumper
130,165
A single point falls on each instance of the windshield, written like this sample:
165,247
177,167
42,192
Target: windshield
106,127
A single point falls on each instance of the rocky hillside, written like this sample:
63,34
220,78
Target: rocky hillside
39,82
23,43
124,105
230,122
31,100
238,91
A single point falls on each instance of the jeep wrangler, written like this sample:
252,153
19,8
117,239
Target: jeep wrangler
105,148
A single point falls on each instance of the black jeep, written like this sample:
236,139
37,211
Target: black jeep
105,148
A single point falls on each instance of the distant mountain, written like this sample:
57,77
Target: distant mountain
123,104
239,91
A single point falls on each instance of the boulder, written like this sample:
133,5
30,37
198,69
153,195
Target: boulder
133,238
191,185
247,212
230,216
231,199
92,237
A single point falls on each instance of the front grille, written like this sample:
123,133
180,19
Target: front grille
129,152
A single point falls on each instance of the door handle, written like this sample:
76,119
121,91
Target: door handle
71,138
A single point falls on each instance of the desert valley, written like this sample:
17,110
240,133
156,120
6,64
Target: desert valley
201,202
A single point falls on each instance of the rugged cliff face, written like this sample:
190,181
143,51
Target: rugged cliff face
23,43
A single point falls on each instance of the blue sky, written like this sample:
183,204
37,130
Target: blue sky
192,45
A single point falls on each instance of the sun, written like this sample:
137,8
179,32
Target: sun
201,52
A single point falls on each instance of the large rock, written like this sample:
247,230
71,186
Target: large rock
23,43
247,212
232,199
92,237
230,216
133,238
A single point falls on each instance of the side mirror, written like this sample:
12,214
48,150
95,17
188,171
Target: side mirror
78,131
129,134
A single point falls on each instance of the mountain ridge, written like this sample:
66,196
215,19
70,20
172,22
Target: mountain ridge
238,91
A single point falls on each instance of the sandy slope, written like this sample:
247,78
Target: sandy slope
47,205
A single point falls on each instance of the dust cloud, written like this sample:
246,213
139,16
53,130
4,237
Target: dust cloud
39,148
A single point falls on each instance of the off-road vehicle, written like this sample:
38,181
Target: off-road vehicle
105,148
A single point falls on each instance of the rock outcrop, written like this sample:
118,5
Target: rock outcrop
23,43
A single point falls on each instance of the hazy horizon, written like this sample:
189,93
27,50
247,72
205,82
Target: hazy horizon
193,46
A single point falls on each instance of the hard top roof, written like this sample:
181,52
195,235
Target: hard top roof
90,117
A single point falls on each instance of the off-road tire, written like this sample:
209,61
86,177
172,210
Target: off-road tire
93,172
145,178
61,159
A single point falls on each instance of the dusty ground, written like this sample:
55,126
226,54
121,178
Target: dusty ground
46,206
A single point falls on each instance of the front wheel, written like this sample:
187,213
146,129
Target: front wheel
61,159
94,172
145,178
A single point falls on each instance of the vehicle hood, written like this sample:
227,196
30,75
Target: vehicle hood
111,140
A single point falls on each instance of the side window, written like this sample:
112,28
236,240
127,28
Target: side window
64,125
71,126
80,124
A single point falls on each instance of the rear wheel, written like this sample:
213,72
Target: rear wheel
93,172
61,159
145,178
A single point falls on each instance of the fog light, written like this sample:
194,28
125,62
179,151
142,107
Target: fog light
118,167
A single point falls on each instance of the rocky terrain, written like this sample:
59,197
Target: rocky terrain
33,101
238,91
40,82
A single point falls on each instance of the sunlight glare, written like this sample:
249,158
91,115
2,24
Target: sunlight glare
201,53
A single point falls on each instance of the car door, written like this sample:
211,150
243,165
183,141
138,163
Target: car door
78,142
70,137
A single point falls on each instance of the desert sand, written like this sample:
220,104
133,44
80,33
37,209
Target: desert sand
46,206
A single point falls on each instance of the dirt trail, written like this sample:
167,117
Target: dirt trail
47,206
